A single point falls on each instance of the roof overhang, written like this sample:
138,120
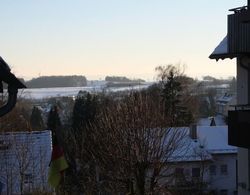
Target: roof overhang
221,51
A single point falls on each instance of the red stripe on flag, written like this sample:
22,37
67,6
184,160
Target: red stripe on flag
57,152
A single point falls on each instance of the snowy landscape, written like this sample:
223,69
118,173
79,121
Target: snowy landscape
125,97
40,93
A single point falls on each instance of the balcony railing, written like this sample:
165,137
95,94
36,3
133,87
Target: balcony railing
239,126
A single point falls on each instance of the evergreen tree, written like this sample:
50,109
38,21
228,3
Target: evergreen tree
36,120
84,111
171,94
171,81
53,121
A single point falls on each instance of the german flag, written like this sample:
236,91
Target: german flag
58,164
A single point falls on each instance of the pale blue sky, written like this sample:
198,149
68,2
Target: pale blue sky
113,37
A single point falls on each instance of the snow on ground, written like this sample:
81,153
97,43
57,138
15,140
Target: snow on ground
40,93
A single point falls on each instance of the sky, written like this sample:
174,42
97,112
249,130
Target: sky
129,38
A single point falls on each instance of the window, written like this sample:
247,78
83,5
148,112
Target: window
179,172
4,145
223,169
28,178
223,192
212,170
187,172
195,172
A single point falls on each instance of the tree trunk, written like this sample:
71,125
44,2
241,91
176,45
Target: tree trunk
140,178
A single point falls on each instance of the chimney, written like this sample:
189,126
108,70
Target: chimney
193,131
212,123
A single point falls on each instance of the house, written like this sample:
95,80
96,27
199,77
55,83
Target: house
24,161
224,104
209,164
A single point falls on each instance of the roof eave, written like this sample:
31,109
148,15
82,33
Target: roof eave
227,55
223,56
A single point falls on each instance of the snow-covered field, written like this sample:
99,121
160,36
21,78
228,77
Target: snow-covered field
41,93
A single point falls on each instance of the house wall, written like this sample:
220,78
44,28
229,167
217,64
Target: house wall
221,181
218,181
243,154
24,161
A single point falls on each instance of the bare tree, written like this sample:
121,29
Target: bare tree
131,142
200,184
17,119
128,144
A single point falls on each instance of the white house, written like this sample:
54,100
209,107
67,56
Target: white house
224,103
24,161
209,162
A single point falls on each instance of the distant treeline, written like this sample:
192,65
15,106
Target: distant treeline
57,81
122,79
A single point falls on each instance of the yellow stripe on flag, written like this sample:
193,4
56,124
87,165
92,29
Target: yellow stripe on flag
56,166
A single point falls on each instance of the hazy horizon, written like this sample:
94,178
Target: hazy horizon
147,79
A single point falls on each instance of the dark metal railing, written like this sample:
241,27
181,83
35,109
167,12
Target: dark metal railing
241,106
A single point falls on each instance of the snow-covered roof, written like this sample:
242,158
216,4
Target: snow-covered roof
226,98
12,142
28,153
221,51
222,48
215,139
210,140
193,151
